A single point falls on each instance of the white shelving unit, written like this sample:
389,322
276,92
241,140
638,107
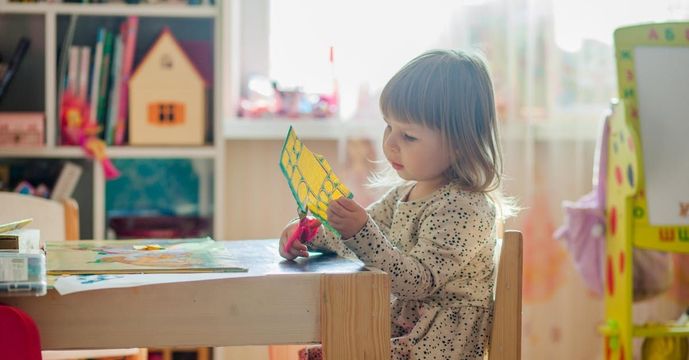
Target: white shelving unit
214,152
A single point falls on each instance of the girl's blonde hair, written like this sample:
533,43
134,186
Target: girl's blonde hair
451,91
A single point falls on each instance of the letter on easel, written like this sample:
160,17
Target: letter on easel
653,34
684,209
683,233
666,234
669,34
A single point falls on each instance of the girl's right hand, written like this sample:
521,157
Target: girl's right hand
297,249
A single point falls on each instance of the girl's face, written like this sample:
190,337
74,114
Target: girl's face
416,152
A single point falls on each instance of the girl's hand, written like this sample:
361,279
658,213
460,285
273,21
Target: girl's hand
297,249
346,216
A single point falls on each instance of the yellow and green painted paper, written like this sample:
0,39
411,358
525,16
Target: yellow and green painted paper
310,177
627,224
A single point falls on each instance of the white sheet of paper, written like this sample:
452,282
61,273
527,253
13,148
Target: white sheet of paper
77,283
662,78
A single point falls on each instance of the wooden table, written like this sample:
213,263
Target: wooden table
322,299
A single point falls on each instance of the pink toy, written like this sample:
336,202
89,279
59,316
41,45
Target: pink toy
584,234
77,129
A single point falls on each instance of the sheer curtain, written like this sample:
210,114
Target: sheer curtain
554,72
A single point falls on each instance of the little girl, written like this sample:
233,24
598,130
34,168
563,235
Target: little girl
434,232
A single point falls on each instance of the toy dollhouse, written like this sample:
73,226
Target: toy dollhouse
167,97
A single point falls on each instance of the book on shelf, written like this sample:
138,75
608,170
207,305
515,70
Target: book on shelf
84,67
114,91
95,74
77,80
73,70
104,82
128,31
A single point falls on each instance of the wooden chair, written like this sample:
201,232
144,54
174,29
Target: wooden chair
506,336
57,221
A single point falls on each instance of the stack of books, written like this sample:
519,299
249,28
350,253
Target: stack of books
99,75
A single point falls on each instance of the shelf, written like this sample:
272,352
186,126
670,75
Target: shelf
186,11
115,152
660,330
325,129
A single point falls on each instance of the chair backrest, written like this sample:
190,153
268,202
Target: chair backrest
506,337
57,220
19,338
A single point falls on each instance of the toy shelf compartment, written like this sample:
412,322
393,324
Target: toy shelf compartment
29,77
196,36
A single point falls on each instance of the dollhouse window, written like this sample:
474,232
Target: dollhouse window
166,61
165,114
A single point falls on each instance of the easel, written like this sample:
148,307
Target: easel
627,200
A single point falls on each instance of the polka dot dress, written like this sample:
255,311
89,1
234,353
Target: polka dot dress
439,253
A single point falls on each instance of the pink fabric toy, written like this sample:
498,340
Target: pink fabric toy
584,229
584,235
78,129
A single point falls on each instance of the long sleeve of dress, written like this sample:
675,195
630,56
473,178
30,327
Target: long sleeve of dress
382,211
450,233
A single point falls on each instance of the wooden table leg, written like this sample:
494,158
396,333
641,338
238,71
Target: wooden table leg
355,316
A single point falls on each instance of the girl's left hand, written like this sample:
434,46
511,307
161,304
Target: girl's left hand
346,216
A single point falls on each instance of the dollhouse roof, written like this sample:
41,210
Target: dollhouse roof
166,34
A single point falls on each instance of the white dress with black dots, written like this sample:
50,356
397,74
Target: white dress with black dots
439,253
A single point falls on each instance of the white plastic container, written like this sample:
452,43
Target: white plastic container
22,274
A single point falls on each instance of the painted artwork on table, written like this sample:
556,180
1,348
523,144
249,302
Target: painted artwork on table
139,256
310,177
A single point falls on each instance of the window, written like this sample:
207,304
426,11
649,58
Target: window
550,59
